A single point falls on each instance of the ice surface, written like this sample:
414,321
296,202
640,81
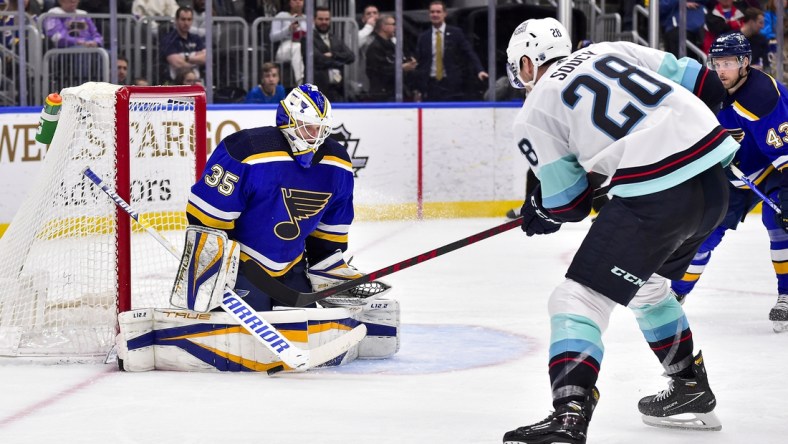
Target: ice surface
473,362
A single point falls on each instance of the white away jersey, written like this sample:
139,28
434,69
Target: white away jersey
621,110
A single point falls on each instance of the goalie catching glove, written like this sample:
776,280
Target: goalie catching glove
333,271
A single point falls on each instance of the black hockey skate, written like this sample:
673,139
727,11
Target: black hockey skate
779,314
568,424
688,403
679,297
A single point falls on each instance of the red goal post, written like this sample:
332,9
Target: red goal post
70,259
123,184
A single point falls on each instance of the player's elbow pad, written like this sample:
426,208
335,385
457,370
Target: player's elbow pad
709,88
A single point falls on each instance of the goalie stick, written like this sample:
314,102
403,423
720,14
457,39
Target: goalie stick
293,298
256,325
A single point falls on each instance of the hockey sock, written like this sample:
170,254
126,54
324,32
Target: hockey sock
576,352
778,247
667,331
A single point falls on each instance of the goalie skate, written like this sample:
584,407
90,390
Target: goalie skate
688,403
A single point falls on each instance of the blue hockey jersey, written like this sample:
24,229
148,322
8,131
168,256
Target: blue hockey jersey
275,209
757,117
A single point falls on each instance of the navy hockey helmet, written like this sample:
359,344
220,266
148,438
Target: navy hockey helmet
304,116
733,44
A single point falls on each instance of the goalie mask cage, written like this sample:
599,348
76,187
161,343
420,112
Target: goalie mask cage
70,260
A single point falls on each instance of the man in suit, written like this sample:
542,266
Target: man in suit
443,53
330,57
380,61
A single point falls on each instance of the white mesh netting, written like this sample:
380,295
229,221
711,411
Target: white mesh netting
58,262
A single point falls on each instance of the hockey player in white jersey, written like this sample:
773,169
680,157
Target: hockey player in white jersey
632,114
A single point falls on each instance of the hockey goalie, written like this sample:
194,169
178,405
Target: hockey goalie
272,203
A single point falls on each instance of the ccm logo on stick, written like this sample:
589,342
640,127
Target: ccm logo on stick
627,276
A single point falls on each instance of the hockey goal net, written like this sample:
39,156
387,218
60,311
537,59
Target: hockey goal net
70,260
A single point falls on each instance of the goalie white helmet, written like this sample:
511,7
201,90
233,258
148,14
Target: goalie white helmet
305,118
541,40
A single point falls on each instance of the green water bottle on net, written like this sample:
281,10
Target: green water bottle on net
47,122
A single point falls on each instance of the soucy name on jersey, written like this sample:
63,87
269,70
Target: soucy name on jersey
569,65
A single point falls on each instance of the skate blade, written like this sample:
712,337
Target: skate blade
686,421
780,326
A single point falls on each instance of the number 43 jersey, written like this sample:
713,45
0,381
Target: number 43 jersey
757,116
621,110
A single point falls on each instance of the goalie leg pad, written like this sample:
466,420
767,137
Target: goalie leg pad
183,340
134,343
327,324
209,342
382,318
209,263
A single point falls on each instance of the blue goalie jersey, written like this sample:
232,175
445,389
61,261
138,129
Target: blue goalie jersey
276,210
756,115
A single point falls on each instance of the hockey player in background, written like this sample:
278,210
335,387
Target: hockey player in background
618,109
754,111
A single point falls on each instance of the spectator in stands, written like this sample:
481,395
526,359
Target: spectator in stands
751,28
721,19
504,92
198,24
154,8
10,6
181,48
186,76
442,54
123,69
141,81
220,8
102,6
380,58
366,34
10,37
331,55
770,20
269,90
72,31
367,31
260,8
288,31
626,8
669,18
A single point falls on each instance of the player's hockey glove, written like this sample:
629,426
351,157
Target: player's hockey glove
782,219
536,220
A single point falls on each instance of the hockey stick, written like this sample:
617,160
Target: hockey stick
737,172
293,298
236,307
